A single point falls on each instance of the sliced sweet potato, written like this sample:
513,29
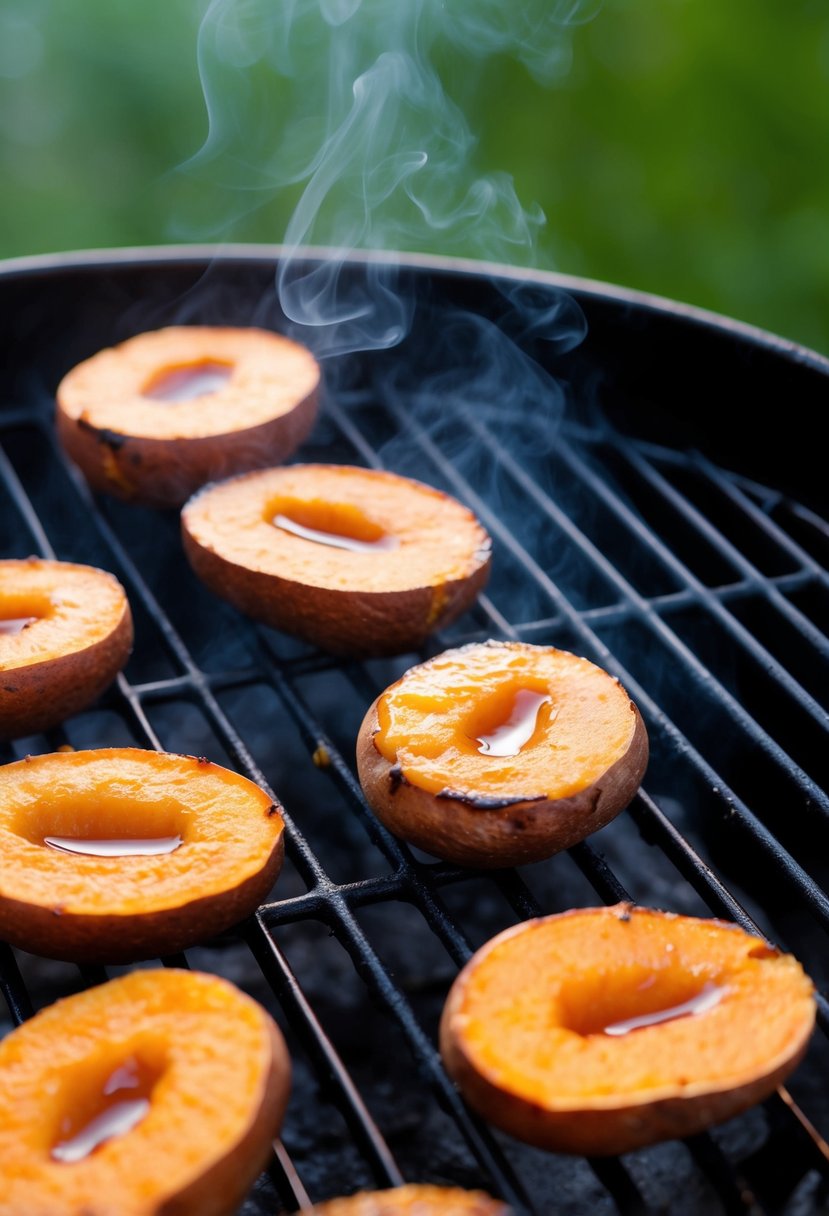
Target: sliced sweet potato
414,1200
153,419
501,753
605,1029
156,1093
121,854
357,561
65,633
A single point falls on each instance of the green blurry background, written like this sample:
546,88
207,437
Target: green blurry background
684,150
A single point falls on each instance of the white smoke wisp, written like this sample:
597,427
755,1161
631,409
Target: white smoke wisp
340,102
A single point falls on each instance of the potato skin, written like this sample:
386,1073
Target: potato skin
598,1131
166,472
607,1125
474,832
342,622
75,937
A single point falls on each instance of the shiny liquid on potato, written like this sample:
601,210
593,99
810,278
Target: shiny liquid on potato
187,383
334,539
517,729
709,997
14,625
123,1102
137,847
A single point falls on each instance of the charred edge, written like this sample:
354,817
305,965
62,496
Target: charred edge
396,778
201,760
624,913
273,809
480,802
112,439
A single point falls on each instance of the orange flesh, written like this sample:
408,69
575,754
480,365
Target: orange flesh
270,374
432,721
536,1004
73,607
121,794
200,1051
437,539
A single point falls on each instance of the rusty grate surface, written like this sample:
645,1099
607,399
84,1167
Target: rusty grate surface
703,590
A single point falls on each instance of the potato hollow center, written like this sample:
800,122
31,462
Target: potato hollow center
101,1100
126,826
338,525
188,381
615,1007
510,720
18,612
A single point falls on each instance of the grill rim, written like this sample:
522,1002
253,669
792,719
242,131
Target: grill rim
189,255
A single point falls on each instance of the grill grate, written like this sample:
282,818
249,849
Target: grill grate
700,588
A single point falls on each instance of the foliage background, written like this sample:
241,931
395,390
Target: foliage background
683,149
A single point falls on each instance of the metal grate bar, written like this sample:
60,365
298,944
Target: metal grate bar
321,1050
752,578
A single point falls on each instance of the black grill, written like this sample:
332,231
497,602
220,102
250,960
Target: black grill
641,516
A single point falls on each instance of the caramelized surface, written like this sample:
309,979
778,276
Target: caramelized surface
431,722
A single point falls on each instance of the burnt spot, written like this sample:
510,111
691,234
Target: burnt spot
201,760
112,439
10,688
396,778
273,809
480,802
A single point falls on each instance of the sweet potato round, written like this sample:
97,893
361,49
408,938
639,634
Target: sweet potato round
130,442
422,557
77,639
414,1200
420,764
215,1072
74,906
532,1030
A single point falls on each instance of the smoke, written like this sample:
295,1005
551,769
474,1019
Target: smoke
345,107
